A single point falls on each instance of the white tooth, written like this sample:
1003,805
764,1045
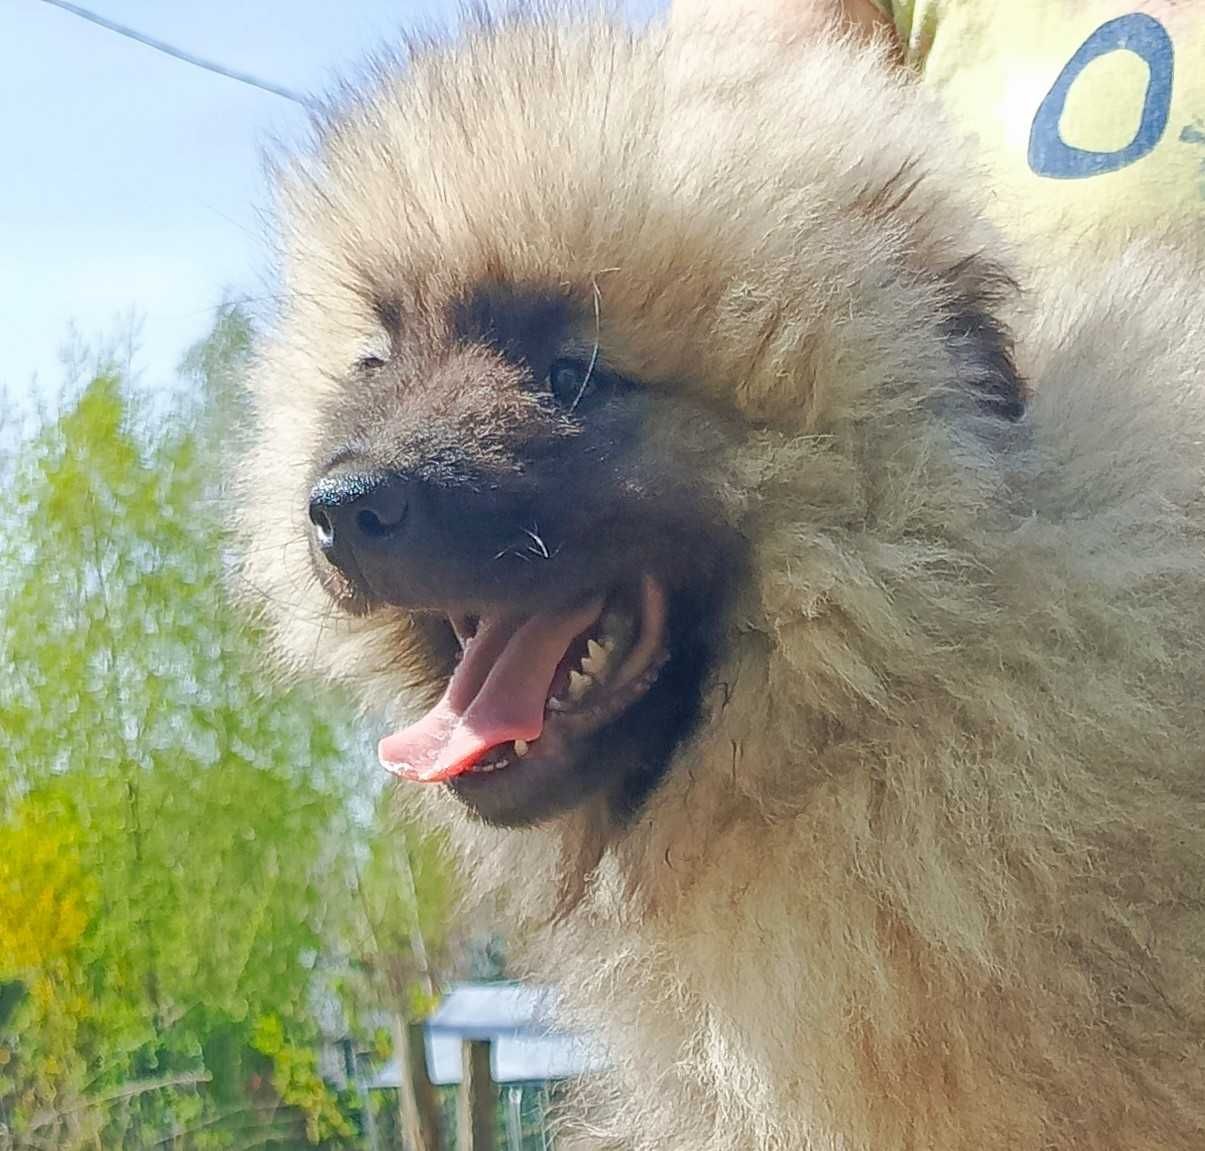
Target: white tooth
521,746
555,704
598,660
578,685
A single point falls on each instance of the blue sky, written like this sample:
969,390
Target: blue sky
133,180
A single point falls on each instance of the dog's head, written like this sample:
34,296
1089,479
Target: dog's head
583,332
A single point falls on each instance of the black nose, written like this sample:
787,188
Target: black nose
357,512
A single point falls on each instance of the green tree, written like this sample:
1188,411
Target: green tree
398,934
190,875
166,815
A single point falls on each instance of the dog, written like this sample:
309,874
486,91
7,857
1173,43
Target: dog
798,626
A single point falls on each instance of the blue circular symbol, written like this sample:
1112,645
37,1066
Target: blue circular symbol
1050,155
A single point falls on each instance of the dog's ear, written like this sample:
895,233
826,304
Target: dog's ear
975,291
979,339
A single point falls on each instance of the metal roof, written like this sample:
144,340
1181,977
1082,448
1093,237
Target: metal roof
515,1018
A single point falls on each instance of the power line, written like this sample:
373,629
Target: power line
180,54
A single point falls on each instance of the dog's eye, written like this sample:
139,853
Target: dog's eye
374,353
569,381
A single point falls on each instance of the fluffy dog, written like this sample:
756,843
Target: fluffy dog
817,671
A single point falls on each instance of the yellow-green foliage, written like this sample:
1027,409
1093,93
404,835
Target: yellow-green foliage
45,897
296,1079
176,842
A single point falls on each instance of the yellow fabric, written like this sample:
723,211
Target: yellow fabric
1078,156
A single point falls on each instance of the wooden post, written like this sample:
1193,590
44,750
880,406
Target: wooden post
476,1103
425,1095
418,1106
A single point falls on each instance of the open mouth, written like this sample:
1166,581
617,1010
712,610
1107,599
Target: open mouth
527,687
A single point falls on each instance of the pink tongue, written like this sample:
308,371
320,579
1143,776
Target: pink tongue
495,696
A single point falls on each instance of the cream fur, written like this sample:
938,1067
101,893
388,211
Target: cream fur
931,876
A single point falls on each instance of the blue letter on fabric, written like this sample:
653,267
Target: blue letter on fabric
1050,155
